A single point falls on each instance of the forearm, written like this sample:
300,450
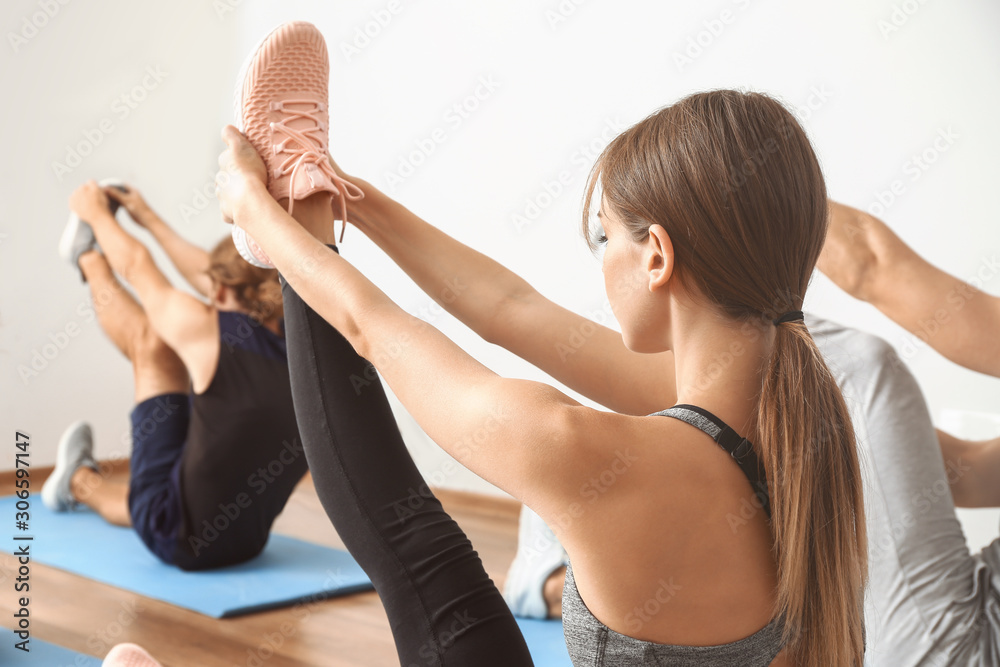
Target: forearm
191,261
423,368
336,290
870,262
466,283
959,321
505,310
973,470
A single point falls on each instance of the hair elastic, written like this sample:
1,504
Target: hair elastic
790,316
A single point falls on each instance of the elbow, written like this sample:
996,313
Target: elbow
379,334
138,260
850,255
503,316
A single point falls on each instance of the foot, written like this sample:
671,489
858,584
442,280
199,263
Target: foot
281,107
76,449
78,237
539,555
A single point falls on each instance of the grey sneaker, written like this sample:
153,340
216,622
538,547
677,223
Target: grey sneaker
76,449
78,237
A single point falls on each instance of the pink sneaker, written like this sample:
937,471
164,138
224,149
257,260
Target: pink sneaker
281,107
129,655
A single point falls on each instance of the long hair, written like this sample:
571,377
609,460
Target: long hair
257,290
733,180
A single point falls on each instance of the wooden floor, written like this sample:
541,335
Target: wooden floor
90,617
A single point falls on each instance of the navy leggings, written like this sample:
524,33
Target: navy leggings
443,608
159,431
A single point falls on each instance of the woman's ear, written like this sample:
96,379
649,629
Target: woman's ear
659,255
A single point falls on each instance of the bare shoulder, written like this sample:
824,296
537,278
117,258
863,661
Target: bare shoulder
605,436
195,335
624,463
665,503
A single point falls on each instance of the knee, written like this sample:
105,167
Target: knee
879,378
851,353
879,360
137,259
873,352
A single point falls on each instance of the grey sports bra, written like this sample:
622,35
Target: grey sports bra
593,644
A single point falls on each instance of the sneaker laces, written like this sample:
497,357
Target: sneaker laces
305,153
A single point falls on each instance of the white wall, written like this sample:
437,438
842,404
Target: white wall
883,78
60,85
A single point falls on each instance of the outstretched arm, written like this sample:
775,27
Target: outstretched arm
191,261
526,437
869,262
505,310
973,470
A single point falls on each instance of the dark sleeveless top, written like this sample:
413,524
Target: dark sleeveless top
594,644
242,439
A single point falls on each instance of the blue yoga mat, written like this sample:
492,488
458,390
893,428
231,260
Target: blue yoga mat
546,642
288,571
41,654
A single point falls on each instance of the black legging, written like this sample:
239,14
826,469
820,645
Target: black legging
443,608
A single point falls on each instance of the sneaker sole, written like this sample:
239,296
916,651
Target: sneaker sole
62,461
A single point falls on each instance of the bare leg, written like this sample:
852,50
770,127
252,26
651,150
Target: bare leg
106,497
316,216
118,313
156,368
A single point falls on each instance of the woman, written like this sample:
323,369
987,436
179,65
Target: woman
929,601
714,212
215,447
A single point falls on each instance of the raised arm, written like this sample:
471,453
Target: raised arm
191,261
505,310
869,262
526,437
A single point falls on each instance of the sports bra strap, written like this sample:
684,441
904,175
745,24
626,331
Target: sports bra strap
738,447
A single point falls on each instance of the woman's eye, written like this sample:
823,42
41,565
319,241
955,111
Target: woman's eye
602,239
